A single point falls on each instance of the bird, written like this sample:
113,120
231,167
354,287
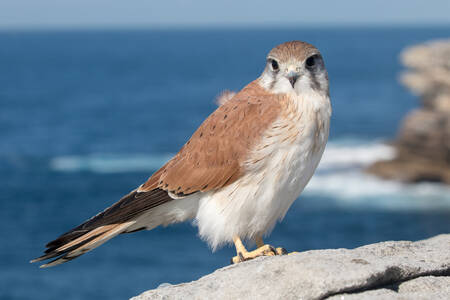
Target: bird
239,172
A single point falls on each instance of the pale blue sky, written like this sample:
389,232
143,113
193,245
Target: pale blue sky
35,14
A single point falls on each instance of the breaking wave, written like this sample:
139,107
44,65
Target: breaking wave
109,163
341,176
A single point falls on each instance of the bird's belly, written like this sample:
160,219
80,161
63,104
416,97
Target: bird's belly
286,176
252,205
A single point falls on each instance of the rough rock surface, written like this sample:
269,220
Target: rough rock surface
423,141
388,270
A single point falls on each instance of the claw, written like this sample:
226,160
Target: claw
241,257
281,251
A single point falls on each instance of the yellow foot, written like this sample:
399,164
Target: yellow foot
265,250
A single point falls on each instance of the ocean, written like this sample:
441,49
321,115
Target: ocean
86,116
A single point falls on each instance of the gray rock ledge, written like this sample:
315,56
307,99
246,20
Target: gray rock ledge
387,270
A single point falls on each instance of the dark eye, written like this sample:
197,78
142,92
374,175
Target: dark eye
275,66
311,61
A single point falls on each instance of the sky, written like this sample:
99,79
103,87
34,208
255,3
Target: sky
36,14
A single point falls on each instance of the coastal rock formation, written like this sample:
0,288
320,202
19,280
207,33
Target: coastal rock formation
388,270
423,141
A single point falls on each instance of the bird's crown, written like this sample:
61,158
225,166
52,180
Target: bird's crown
292,50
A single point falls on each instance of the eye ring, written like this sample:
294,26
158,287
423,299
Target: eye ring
274,64
311,61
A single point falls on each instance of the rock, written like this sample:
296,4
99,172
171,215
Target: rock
423,141
427,287
393,270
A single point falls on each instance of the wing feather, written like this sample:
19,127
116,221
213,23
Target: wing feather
214,155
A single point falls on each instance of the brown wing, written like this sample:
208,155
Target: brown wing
213,156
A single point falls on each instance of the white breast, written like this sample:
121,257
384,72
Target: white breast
277,172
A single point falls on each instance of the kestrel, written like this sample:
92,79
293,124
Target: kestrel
239,172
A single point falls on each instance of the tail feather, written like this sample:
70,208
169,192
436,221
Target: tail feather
88,236
54,253
87,244
64,239
102,227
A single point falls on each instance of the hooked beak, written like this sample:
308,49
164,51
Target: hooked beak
292,76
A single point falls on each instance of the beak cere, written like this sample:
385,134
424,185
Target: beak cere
293,79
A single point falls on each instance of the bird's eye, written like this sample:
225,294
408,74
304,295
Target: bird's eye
274,64
311,61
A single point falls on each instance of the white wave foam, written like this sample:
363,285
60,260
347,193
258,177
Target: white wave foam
350,154
108,163
341,176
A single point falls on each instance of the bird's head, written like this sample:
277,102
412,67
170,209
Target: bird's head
295,67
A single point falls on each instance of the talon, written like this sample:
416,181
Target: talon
281,251
235,260
271,251
241,257
265,250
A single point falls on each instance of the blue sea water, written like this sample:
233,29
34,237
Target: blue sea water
86,116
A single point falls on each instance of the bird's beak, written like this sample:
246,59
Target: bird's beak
292,76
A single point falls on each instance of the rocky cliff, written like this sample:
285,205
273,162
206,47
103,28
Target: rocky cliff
388,270
423,141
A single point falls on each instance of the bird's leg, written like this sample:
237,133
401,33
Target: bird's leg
262,250
243,254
